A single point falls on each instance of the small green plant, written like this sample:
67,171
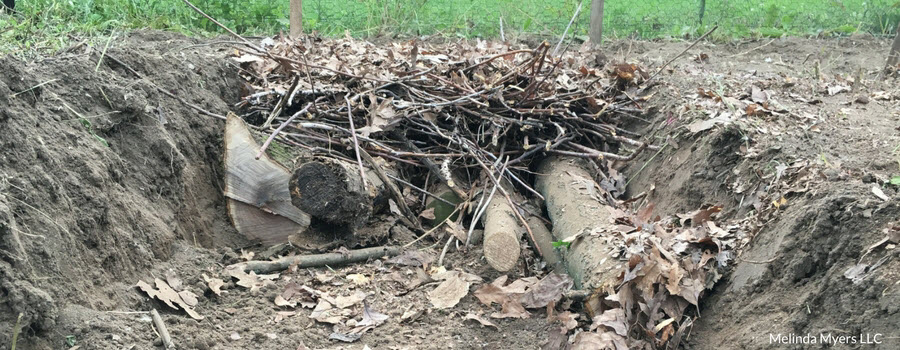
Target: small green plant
70,340
89,127
558,244
895,180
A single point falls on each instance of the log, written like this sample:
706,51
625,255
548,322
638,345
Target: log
333,191
573,204
544,239
502,233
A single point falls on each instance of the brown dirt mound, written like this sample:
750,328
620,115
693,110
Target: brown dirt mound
102,174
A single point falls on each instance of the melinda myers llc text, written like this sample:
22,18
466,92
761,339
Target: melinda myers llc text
826,338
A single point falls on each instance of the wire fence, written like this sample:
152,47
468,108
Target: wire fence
631,18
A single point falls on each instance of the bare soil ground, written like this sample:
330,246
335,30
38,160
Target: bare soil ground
105,181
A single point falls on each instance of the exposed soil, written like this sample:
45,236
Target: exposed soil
86,212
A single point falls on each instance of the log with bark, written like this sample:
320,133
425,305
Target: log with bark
574,205
502,232
334,191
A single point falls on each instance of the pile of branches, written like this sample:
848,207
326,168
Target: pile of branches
453,109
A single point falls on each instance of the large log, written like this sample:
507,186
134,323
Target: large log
333,191
573,202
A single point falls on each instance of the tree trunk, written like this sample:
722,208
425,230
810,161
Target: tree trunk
573,203
894,55
333,191
296,19
596,30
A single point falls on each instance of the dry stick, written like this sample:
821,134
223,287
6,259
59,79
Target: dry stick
316,260
502,36
247,42
479,210
423,191
444,251
278,130
429,232
398,196
563,36
163,331
508,198
682,53
362,172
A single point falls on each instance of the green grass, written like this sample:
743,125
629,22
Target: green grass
44,24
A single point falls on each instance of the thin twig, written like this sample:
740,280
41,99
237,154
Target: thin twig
563,36
281,127
362,172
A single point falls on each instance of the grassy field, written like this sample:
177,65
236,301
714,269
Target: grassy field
43,24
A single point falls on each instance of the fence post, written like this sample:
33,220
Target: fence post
894,54
596,30
702,10
296,20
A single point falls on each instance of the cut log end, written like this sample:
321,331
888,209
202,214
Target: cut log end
501,235
331,191
501,250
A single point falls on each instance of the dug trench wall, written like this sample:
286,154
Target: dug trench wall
102,176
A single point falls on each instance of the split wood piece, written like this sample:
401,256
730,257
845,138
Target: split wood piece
333,191
573,202
544,239
259,203
502,233
316,260
163,331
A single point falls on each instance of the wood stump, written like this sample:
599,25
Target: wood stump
333,191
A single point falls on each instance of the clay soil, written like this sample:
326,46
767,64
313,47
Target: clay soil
104,181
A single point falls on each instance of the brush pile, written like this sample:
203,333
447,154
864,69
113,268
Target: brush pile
452,110
495,133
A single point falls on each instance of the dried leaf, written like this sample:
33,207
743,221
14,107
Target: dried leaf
371,317
613,319
358,279
343,302
215,284
412,258
427,214
449,292
512,308
548,290
598,341
484,322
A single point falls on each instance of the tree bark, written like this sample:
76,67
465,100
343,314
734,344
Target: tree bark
333,191
296,19
596,30
573,203
894,55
